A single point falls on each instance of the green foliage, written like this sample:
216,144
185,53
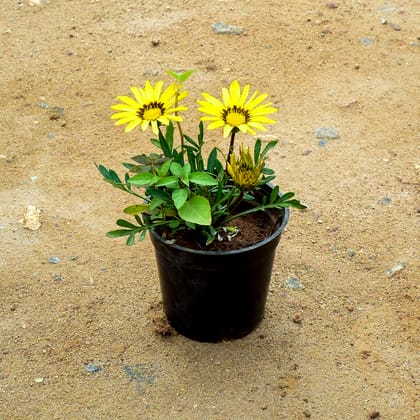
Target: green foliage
177,188
196,210
180,77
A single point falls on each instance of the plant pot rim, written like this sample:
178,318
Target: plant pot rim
259,244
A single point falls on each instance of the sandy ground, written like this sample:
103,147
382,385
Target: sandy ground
77,338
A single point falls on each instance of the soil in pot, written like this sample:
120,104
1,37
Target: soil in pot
252,228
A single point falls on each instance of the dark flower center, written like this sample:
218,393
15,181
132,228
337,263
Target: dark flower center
235,116
151,111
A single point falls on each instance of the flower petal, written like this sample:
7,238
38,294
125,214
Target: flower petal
244,95
226,130
235,93
129,101
138,95
132,125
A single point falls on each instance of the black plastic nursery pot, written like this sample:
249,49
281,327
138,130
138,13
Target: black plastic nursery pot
211,296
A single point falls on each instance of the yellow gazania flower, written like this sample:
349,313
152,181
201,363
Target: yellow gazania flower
246,173
150,106
236,112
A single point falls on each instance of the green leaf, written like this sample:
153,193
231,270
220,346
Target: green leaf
136,169
142,235
187,169
173,224
156,202
210,235
180,77
197,210
179,196
114,176
142,159
136,209
126,224
164,169
156,143
257,150
169,135
200,136
138,220
285,197
131,238
266,180
268,147
188,139
274,194
143,179
202,178
191,157
296,204
118,233
103,170
211,160
177,169
268,171
169,182
156,193
166,141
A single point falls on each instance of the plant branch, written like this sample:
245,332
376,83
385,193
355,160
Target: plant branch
178,124
253,210
231,145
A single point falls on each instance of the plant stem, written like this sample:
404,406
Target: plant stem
253,210
178,124
236,202
232,142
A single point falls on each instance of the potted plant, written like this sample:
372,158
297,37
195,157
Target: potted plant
215,222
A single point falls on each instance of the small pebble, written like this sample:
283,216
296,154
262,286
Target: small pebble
54,260
395,27
399,266
59,110
51,135
91,368
387,9
366,41
58,277
322,143
374,415
350,253
294,283
43,105
39,380
331,5
385,201
297,319
326,133
222,28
